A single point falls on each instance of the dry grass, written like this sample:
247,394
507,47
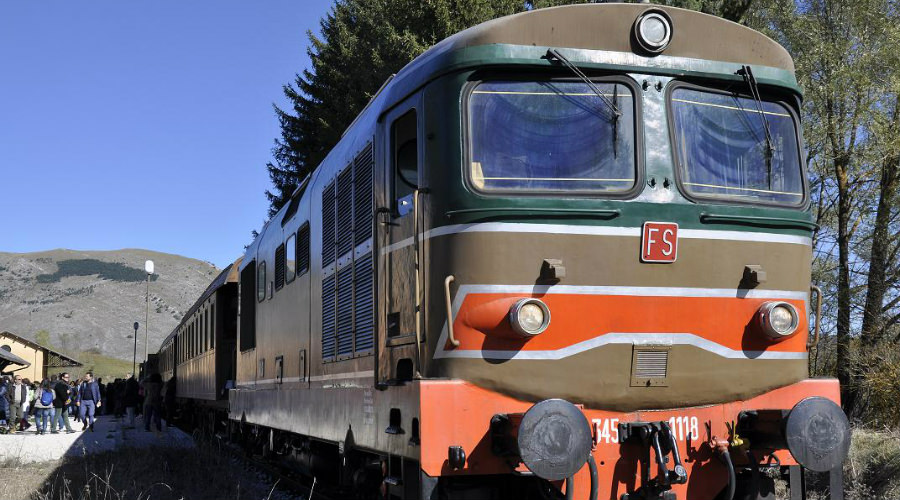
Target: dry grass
138,474
20,480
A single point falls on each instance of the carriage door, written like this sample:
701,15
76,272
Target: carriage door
397,223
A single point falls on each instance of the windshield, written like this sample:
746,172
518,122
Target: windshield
551,137
720,142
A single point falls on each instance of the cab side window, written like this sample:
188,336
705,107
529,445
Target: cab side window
405,146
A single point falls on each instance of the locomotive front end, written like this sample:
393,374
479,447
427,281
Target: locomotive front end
618,261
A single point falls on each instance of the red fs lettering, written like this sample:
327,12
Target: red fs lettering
659,242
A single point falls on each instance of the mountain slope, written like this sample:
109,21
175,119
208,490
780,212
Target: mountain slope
89,300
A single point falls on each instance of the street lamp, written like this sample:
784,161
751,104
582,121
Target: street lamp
148,266
134,357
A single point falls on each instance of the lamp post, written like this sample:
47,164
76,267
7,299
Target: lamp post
148,266
134,357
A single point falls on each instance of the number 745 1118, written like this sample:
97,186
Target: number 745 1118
606,430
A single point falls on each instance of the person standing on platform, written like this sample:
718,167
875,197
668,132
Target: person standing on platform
43,406
4,401
153,402
61,403
88,401
17,394
132,399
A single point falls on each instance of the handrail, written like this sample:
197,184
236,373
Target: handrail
753,220
818,292
599,213
416,302
447,281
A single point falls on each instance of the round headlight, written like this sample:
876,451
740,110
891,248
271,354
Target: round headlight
653,31
529,317
779,319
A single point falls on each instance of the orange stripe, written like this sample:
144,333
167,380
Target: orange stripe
482,324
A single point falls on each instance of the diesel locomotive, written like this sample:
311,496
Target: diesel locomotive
561,253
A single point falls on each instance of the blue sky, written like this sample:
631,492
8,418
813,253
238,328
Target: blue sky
142,124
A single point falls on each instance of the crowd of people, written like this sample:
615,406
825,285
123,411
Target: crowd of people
49,405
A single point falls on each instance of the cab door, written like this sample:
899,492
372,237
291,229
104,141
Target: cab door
398,220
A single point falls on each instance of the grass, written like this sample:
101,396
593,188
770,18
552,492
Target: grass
150,473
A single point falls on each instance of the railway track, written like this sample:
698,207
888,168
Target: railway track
284,479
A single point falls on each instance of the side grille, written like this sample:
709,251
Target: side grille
363,195
364,312
345,211
303,250
328,317
649,366
345,311
328,224
348,302
279,267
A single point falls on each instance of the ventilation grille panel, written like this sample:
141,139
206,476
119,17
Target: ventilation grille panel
363,196
649,366
279,267
364,313
345,311
328,317
328,224
345,212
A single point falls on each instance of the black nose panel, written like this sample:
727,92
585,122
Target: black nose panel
818,434
554,439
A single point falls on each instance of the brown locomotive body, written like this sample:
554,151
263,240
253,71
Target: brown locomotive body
442,300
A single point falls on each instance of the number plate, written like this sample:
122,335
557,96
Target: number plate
606,430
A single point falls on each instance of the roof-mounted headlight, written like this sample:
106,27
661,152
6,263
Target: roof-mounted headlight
529,317
778,319
653,31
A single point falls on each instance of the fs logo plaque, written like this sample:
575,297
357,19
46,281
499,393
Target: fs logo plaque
659,242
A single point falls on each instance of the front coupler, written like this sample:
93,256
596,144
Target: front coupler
658,437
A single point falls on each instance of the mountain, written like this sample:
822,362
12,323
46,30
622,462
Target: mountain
87,301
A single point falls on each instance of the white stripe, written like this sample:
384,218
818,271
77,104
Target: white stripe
624,338
638,291
343,376
317,378
518,227
614,338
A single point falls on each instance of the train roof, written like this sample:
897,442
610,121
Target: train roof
228,275
608,27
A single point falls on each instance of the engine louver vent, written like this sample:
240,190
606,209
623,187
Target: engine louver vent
649,366
348,302
279,267
345,212
328,325
328,224
303,250
364,300
345,311
363,195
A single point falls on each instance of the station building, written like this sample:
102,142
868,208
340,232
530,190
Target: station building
29,359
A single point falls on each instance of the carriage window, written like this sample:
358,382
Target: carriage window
406,161
261,282
555,137
290,265
248,307
722,149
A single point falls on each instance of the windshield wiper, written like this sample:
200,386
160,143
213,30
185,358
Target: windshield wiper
554,54
750,80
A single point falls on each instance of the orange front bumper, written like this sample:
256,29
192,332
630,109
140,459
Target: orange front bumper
457,413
